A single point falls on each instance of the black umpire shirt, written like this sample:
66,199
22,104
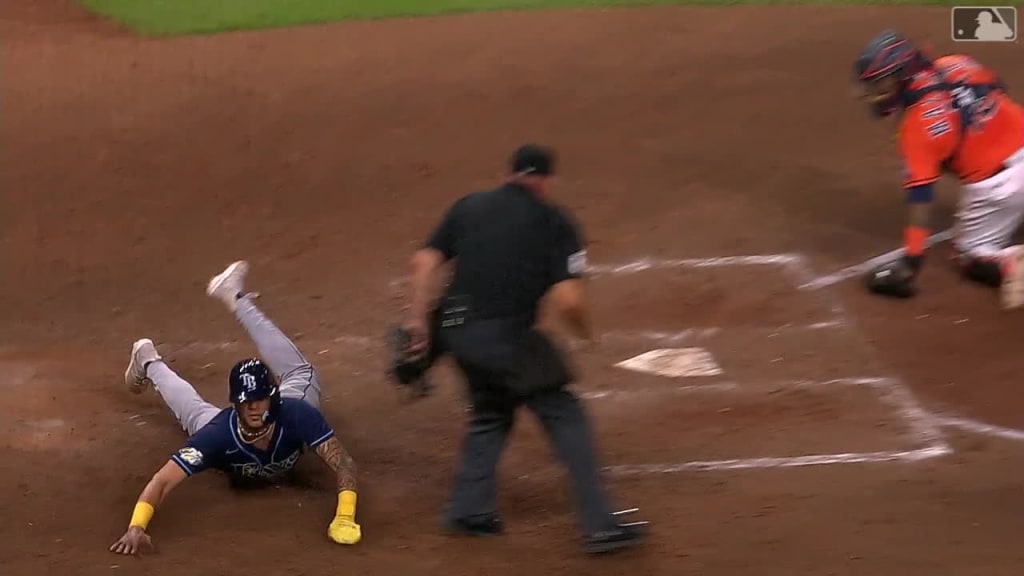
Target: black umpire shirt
511,247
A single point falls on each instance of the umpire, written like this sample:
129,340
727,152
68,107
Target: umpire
511,246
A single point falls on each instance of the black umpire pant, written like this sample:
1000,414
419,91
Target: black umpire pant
504,372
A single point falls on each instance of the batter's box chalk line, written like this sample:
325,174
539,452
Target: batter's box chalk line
651,263
975,427
315,348
862,268
643,264
923,430
780,462
937,450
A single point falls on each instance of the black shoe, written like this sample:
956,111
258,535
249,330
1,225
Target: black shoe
621,536
475,526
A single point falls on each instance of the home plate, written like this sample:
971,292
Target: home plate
674,363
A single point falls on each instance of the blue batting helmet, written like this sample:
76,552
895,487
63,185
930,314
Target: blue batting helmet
250,380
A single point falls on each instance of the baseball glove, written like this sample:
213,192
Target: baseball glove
894,279
408,369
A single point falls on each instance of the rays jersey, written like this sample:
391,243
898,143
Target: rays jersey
299,427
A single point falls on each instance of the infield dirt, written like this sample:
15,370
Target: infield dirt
133,170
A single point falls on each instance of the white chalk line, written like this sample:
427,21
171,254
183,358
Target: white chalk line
938,449
648,263
892,391
979,427
928,425
923,425
780,462
652,263
728,386
924,431
863,267
619,393
320,347
690,334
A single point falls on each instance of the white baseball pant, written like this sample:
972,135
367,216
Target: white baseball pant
989,213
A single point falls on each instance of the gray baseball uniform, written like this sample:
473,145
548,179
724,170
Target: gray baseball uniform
298,378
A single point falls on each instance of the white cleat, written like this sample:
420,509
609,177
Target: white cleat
229,284
143,352
1011,291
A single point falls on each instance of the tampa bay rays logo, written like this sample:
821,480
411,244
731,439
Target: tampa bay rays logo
248,385
273,470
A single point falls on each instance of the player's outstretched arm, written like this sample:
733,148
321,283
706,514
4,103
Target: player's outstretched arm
897,278
169,476
343,528
925,138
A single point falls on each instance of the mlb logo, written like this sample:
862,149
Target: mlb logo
984,24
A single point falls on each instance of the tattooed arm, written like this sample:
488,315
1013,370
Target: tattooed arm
320,436
343,528
338,459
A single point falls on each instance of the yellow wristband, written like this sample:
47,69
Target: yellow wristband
347,503
142,514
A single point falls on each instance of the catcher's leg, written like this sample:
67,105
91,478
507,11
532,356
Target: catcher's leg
990,213
298,378
147,367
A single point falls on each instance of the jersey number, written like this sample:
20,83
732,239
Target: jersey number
975,109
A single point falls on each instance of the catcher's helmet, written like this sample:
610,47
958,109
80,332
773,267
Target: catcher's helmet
251,379
891,60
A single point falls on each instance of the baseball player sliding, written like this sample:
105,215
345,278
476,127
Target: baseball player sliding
954,116
273,419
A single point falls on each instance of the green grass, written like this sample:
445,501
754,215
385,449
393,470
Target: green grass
174,17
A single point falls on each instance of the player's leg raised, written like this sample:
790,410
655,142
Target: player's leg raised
298,377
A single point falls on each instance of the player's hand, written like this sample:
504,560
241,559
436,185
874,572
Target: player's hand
133,541
344,530
419,335
894,279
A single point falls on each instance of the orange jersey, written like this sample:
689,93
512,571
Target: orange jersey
967,131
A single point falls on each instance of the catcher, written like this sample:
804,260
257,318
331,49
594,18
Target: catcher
954,115
273,419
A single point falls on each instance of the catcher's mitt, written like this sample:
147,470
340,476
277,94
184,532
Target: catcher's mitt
409,369
894,279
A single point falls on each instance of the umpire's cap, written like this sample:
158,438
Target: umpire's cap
533,160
